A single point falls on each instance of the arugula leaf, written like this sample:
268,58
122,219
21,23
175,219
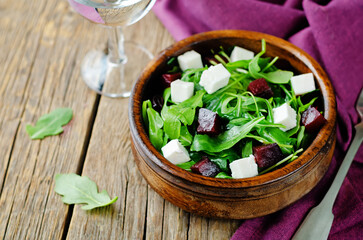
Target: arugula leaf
196,156
50,124
154,123
300,136
303,107
221,163
262,124
193,75
183,112
231,66
77,189
172,127
253,66
145,105
223,175
171,124
277,77
185,137
156,133
186,165
275,135
288,159
247,149
224,140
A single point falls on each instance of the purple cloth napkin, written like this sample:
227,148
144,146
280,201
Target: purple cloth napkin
331,32
86,11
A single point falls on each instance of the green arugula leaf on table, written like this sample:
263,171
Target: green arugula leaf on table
77,189
50,124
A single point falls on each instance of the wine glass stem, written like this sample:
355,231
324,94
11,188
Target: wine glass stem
116,50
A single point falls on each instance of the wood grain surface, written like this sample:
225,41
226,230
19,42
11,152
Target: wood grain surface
42,44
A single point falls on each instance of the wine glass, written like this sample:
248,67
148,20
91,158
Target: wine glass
113,73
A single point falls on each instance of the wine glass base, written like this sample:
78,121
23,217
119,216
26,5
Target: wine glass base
114,80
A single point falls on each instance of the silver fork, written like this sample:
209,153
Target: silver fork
317,224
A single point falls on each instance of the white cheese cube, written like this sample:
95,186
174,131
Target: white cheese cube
175,152
303,83
181,91
239,53
190,59
286,116
214,78
244,168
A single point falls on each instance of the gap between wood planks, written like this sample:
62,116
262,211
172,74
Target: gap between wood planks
82,160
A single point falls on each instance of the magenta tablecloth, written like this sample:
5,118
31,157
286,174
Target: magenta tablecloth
331,32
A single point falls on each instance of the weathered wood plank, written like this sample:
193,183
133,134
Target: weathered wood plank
176,222
110,163
13,80
155,215
221,229
211,229
43,75
198,227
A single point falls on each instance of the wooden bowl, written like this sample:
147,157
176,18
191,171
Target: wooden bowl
233,198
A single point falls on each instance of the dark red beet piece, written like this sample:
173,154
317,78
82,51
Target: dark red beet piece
205,167
169,77
208,122
312,119
267,155
260,88
157,102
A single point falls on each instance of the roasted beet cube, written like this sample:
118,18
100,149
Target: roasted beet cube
267,155
157,102
205,167
169,77
260,88
208,122
312,119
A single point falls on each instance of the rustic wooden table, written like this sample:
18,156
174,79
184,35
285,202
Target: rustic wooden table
42,44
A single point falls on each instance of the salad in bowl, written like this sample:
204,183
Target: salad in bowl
233,113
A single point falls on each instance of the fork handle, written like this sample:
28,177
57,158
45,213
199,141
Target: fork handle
317,224
343,170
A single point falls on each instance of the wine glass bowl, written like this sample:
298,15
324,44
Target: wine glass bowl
112,12
112,73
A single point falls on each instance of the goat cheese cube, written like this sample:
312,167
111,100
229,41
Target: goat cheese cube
175,152
214,78
244,168
286,116
239,53
303,83
190,59
181,91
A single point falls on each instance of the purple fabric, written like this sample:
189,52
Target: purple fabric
331,32
86,11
